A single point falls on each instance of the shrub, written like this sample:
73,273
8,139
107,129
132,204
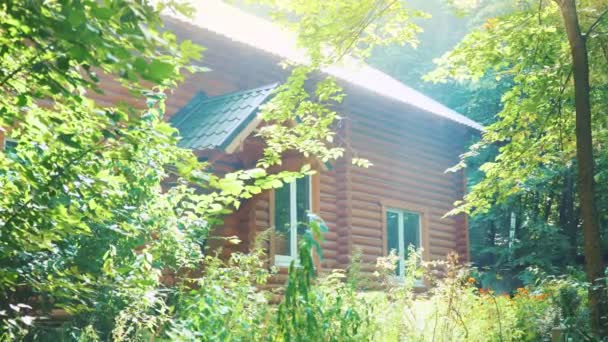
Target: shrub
455,309
226,302
328,309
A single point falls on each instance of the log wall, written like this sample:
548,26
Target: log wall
410,152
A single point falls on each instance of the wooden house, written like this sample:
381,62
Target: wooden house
410,139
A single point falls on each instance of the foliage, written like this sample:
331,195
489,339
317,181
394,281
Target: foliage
329,310
300,121
524,198
331,30
75,188
229,302
86,225
526,194
456,308
88,229
535,134
440,33
224,304
479,100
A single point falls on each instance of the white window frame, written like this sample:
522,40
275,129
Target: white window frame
285,260
401,234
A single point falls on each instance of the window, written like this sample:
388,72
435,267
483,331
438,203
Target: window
291,203
403,229
10,145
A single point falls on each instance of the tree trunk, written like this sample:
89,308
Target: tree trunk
584,153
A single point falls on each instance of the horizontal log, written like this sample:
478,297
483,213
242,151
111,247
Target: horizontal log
393,111
367,241
330,245
374,224
330,207
366,232
262,213
407,166
366,205
368,143
262,204
444,228
439,234
381,191
368,250
328,194
377,140
328,178
442,243
374,214
331,236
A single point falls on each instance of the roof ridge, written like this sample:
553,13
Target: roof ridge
268,87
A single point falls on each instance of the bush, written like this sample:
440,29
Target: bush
455,309
225,303
229,301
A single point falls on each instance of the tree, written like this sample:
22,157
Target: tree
536,131
85,224
81,190
598,297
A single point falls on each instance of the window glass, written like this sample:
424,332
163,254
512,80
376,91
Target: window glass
282,223
302,203
392,232
402,231
10,145
411,234
292,203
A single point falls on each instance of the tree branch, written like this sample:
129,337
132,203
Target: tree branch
18,69
597,22
362,26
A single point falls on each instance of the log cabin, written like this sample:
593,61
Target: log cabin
410,139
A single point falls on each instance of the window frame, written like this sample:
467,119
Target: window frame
424,213
401,235
285,260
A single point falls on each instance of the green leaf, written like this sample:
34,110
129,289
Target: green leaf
159,71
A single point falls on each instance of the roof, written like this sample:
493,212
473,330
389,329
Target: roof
237,25
217,122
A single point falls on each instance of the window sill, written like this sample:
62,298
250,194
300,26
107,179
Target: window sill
285,261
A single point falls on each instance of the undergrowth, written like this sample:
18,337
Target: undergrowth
435,301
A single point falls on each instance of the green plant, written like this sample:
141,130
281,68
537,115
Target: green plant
87,227
226,303
455,309
549,115
323,309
